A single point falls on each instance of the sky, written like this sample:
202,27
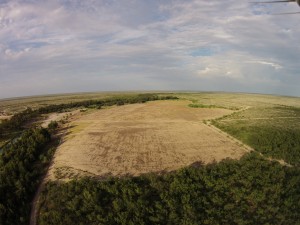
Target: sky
67,46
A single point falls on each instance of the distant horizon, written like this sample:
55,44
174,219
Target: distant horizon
58,46
141,91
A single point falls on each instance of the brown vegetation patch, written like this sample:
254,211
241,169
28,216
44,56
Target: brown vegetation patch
141,138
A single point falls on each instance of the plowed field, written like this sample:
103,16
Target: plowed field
141,138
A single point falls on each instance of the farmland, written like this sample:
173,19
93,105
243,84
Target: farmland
125,158
135,139
273,131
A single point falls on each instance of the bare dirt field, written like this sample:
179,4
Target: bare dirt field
141,138
57,117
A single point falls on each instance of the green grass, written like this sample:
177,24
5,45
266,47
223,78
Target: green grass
273,131
211,107
239,100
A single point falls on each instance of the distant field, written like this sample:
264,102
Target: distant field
141,138
264,122
224,100
11,106
239,100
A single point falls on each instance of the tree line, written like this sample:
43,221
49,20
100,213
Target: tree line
25,158
247,191
17,122
22,162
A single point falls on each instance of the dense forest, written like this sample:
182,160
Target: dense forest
22,162
252,190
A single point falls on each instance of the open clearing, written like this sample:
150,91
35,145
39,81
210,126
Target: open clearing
141,138
57,117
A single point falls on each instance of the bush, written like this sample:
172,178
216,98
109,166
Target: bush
250,191
19,175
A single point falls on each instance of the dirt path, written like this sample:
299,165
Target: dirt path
35,202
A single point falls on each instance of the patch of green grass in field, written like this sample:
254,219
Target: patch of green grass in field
275,131
211,107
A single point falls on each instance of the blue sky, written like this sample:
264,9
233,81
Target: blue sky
63,46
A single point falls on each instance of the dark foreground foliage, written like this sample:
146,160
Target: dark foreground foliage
249,191
24,160
21,166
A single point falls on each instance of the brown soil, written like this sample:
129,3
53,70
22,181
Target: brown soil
57,117
141,138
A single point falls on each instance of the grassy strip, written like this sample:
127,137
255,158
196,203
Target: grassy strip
211,107
250,191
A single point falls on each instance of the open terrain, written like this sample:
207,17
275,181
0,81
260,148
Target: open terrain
107,139
141,138
274,130
14,105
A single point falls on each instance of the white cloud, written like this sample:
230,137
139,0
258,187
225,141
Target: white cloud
167,44
274,65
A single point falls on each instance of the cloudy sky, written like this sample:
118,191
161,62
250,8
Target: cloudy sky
62,46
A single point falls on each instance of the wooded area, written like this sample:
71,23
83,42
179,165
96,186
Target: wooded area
22,162
252,190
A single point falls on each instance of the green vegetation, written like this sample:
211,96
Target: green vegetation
274,131
14,126
141,98
212,106
22,162
53,125
250,191
253,190
204,106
